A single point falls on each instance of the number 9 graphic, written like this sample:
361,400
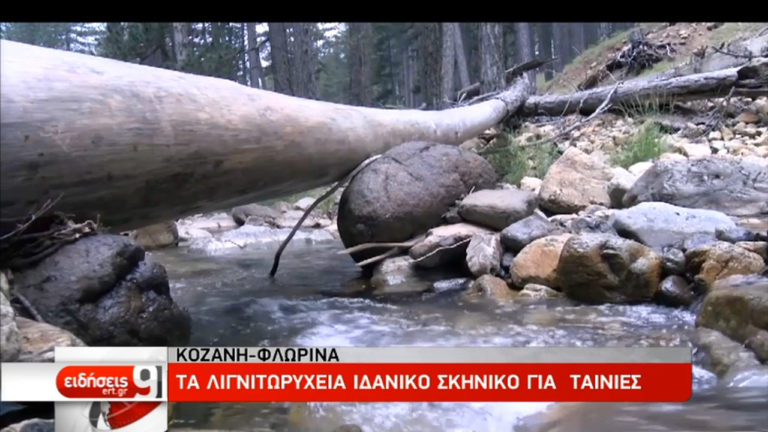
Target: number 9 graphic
149,378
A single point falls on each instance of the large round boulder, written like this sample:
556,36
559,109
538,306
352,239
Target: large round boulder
102,290
599,268
406,191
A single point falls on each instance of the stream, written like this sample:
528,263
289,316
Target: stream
315,301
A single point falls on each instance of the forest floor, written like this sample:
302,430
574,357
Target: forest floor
685,38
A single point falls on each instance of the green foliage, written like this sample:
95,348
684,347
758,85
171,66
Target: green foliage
513,161
647,144
79,37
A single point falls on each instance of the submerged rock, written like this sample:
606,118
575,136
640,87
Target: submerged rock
444,244
102,290
737,306
723,353
735,186
484,254
575,181
598,268
537,263
518,235
397,275
490,287
658,224
497,208
156,236
255,214
406,191
537,291
719,260
38,340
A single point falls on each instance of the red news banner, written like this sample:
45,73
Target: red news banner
415,374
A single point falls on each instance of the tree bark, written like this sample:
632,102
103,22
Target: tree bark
491,57
448,64
578,42
461,56
254,57
430,63
135,145
545,36
281,67
751,79
305,61
360,67
561,49
524,49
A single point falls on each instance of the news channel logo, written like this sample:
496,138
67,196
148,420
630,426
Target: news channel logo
114,415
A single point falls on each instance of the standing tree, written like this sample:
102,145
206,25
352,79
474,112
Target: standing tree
360,52
461,56
578,41
254,57
523,42
281,67
545,48
304,60
181,44
491,58
429,49
448,64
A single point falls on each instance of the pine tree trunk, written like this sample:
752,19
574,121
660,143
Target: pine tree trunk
523,47
491,58
448,64
254,57
281,67
360,63
305,60
578,42
461,56
545,36
430,63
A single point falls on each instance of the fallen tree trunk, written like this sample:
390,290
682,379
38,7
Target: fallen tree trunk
510,75
136,145
749,80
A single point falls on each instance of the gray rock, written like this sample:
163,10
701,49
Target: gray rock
497,208
575,181
444,244
698,240
737,306
484,254
452,216
406,191
255,214
518,235
736,234
674,291
621,182
10,340
735,186
658,224
102,290
506,262
597,268
591,224
674,261
39,340
31,425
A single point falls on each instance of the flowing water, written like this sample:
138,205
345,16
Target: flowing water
316,301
